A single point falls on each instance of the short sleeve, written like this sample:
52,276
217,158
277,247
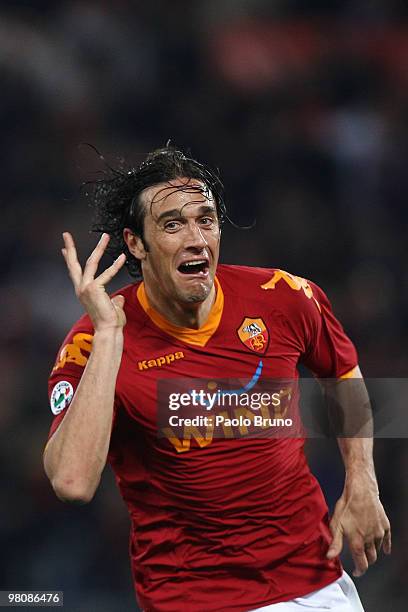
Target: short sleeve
67,371
329,353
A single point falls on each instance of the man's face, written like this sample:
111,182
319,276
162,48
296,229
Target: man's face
182,238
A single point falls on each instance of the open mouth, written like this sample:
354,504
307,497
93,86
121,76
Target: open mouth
199,266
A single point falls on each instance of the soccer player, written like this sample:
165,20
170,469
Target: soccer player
217,524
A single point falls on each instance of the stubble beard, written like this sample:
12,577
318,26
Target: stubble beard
196,296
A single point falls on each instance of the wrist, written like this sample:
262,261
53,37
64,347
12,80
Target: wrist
110,336
363,480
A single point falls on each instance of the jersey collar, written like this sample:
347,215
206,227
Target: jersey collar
196,337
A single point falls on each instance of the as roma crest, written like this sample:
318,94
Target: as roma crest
254,334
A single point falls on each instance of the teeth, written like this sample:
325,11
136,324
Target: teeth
194,263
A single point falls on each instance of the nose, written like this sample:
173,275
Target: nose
195,237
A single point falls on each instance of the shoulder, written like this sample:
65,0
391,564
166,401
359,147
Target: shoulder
243,281
76,346
278,287
234,275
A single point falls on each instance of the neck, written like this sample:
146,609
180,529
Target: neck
192,315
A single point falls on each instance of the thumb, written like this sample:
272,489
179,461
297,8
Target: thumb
336,544
119,301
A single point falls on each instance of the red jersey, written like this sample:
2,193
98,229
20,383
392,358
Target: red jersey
217,524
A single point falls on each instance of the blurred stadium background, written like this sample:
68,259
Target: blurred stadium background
303,106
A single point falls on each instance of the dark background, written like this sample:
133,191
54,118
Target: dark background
303,106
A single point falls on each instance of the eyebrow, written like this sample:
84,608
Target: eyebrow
175,212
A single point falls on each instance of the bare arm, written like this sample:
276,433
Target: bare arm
76,454
359,515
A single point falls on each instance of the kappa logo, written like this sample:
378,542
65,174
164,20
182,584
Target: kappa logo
295,282
254,334
158,362
73,352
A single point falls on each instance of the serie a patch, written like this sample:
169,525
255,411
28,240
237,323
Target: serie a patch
61,396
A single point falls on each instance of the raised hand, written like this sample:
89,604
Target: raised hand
105,312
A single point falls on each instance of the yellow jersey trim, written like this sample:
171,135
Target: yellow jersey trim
195,337
354,373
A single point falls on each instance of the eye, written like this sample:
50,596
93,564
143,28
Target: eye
207,221
172,226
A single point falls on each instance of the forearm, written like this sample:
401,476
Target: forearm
358,515
76,454
352,420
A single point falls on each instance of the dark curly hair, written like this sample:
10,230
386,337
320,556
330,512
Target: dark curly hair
117,202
